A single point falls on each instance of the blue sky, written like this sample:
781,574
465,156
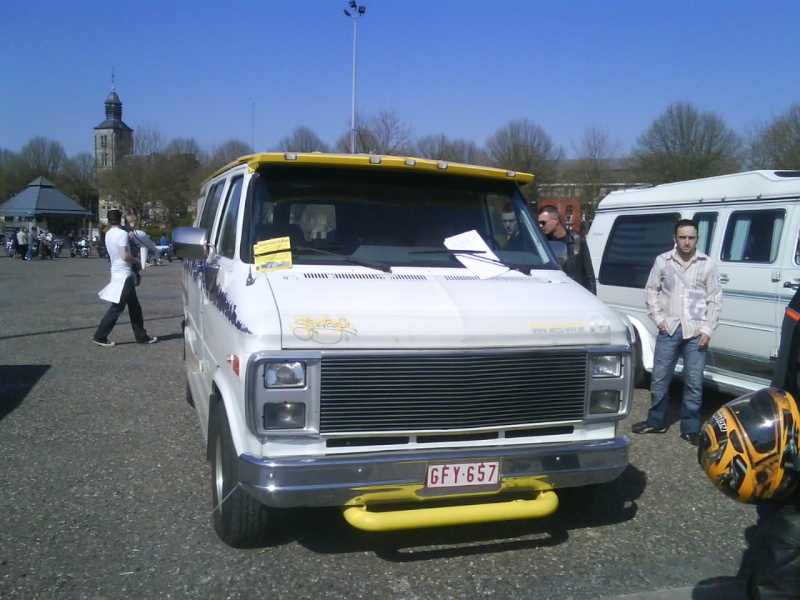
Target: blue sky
462,68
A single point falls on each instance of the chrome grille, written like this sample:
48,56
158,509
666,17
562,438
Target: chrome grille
419,392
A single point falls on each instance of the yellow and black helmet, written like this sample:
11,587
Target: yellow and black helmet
748,448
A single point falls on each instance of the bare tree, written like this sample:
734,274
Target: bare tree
186,146
303,139
384,133
43,157
595,152
15,174
226,153
147,140
524,146
776,145
684,143
77,180
440,147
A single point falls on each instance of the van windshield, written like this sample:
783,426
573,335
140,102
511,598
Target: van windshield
388,217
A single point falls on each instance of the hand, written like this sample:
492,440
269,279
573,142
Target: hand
703,341
662,326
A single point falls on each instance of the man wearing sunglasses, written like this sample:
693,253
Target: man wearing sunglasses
578,264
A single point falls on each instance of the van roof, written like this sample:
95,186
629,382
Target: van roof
374,161
753,185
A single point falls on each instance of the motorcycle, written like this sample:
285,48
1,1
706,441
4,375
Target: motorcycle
10,247
102,251
56,249
82,248
165,253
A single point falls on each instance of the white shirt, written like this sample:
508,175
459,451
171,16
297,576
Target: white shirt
685,294
116,239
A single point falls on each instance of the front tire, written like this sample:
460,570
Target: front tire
239,520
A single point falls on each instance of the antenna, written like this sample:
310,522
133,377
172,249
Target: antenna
112,79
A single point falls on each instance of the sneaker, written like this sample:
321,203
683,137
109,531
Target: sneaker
104,343
150,340
644,427
692,438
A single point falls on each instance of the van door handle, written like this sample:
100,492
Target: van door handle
793,284
723,279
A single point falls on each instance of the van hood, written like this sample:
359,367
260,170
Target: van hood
438,309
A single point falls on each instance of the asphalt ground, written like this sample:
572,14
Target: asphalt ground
105,492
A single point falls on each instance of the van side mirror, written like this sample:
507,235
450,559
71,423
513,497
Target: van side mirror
560,250
190,243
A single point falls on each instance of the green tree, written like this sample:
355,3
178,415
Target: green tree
776,145
684,143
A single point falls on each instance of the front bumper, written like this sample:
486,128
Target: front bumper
360,479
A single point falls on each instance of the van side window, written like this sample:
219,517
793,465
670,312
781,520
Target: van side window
210,206
706,223
633,244
752,236
226,245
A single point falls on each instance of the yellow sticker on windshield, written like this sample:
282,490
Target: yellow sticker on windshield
273,255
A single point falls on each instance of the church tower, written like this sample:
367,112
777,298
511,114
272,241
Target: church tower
113,139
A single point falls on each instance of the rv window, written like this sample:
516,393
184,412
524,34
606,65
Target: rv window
227,232
706,222
633,244
210,206
753,236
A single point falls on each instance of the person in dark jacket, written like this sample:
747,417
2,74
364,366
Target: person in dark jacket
749,450
578,263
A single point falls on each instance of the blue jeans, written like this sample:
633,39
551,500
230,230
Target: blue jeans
668,349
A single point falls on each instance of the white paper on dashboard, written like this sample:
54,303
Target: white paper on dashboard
480,260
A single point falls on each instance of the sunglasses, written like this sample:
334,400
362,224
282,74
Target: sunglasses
545,222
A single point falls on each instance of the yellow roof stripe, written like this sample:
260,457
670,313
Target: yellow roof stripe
374,161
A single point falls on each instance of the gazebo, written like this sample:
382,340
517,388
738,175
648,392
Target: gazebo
41,205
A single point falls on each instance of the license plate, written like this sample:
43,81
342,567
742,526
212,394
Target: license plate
454,475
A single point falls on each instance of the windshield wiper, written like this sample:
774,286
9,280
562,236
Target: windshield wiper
378,266
478,255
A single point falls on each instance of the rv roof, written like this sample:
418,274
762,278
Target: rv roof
738,186
375,161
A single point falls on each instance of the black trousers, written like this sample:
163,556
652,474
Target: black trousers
127,298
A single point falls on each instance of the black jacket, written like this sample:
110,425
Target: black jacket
775,553
578,263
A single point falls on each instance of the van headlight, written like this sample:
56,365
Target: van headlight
603,402
284,415
606,365
288,374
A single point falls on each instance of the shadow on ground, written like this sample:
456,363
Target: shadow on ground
16,381
325,531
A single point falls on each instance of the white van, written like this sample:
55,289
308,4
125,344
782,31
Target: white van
748,223
358,335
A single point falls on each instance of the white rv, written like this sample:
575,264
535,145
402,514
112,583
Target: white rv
748,223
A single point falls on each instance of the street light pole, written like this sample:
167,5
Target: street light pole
358,11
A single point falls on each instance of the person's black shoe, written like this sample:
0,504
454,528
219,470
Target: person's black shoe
104,343
645,427
149,340
692,438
